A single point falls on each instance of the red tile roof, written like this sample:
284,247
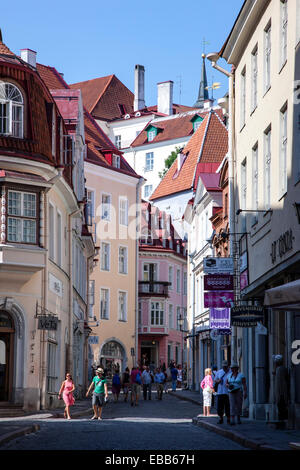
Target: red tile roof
51,77
103,96
204,153
173,127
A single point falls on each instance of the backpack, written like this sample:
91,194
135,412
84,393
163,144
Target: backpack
116,380
138,378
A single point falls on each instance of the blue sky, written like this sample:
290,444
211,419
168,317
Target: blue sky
90,39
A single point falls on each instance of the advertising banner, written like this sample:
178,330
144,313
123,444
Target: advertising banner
218,265
222,299
219,318
218,282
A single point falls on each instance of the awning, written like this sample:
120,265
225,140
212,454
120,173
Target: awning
285,297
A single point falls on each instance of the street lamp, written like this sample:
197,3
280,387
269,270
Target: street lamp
297,207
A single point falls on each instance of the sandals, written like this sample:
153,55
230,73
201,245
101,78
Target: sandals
94,417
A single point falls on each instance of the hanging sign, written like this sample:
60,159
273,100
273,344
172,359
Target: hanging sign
218,265
219,318
246,316
218,282
222,299
47,322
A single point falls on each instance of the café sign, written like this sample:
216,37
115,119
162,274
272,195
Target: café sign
47,322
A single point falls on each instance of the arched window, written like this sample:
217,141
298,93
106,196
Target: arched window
11,110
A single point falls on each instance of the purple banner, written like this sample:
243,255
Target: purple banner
244,279
222,299
219,318
218,282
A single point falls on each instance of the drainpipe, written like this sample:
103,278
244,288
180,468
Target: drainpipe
193,329
138,200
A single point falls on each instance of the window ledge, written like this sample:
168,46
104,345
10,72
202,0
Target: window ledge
243,126
283,196
253,110
267,90
282,66
123,321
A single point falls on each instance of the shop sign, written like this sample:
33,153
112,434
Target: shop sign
55,285
219,318
283,245
244,279
47,322
218,265
93,339
215,333
221,299
246,316
218,282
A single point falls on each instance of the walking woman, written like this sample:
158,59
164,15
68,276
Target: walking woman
66,390
236,383
208,390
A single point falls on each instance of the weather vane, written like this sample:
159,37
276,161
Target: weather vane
204,43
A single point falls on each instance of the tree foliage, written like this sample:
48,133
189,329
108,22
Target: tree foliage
169,161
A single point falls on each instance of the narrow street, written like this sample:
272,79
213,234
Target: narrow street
152,425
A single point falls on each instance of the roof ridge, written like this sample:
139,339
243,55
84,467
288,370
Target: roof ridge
102,92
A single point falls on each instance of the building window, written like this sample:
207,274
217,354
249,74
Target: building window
104,304
149,161
22,217
140,314
157,313
59,239
243,194
51,367
90,206
116,161
254,78
255,180
185,283
151,135
123,211
178,281
243,98
171,316
51,232
283,151
171,280
118,141
267,168
148,190
178,316
267,58
91,298
283,31
11,110
123,260
122,306
105,206
105,256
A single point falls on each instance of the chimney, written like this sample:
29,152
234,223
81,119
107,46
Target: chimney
139,88
165,97
29,56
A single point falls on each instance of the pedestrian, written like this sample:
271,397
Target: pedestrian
179,376
213,374
147,378
281,387
174,374
236,383
135,385
159,379
152,367
100,393
208,390
166,382
220,388
126,383
116,386
66,390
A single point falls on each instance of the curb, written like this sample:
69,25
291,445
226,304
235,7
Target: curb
234,436
177,395
18,433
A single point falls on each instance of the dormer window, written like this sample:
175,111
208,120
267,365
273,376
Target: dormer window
151,136
196,120
11,110
116,161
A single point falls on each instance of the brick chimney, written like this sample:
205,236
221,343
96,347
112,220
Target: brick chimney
165,97
139,88
29,56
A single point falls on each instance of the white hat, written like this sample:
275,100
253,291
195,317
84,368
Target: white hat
100,370
234,364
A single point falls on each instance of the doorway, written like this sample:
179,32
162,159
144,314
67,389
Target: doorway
6,355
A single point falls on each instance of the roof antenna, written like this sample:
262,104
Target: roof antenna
1,36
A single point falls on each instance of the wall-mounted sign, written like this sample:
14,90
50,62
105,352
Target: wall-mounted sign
55,285
243,261
218,282
219,318
246,316
283,245
214,334
222,299
47,322
244,279
93,339
218,265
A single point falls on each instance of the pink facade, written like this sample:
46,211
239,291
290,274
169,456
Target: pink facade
162,294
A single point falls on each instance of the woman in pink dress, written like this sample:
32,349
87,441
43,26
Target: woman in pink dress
67,388
208,390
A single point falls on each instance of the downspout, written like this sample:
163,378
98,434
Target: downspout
193,328
138,200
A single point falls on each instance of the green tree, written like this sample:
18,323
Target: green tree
169,161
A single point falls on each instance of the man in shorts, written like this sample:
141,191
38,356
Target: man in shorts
100,393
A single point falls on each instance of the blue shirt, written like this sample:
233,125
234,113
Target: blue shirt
174,373
221,374
236,381
159,378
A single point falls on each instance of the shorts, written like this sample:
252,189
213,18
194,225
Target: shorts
98,399
136,388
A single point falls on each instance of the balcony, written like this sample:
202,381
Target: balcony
154,288
156,330
20,262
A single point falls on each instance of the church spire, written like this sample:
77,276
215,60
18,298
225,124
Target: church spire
203,91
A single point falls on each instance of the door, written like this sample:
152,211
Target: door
4,365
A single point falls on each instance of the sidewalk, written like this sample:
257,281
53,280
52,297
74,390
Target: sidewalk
256,435
12,427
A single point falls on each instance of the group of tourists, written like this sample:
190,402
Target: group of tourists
146,378
228,386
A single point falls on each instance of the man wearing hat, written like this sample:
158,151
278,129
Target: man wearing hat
100,393
222,392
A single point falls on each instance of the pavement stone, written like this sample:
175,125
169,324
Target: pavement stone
253,434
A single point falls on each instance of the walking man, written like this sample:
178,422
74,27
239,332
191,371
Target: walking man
147,382
174,374
222,392
159,380
100,393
